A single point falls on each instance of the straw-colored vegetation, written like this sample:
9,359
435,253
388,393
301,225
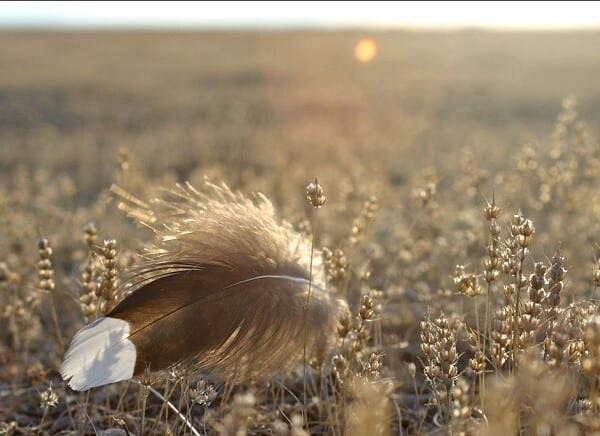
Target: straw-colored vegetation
461,222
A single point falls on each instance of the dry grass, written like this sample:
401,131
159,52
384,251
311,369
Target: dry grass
462,221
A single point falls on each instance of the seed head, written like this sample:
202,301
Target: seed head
367,308
522,230
44,267
341,367
204,394
336,264
90,234
477,363
372,368
466,283
315,194
48,398
491,210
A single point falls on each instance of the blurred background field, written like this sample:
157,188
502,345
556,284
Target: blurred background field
433,125
268,111
260,100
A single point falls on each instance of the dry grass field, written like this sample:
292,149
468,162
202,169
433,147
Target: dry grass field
462,222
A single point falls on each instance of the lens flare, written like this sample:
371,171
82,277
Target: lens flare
365,50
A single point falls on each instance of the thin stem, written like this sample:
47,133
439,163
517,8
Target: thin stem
399,414
55,321
476,309
477,326
449,411
41,426
121,398
187,423
162,409
519,280
310,274
487,329
184,383
487,323
328,402
86,408
594,395
438,401
144,398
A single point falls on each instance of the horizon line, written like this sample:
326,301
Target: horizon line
36,26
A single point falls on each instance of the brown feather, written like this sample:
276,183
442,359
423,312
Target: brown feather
205,295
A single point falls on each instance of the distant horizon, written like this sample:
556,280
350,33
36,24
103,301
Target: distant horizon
260,15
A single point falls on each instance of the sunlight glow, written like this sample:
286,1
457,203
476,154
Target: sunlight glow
365,50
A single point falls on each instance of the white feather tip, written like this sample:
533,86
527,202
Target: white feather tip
99,354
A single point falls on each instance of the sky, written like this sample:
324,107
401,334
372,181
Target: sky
326,14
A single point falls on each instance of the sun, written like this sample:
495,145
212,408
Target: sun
365,50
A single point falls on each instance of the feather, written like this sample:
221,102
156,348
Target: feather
223,291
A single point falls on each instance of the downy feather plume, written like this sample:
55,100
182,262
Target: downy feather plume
223,290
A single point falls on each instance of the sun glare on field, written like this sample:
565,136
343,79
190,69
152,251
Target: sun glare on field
365,50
